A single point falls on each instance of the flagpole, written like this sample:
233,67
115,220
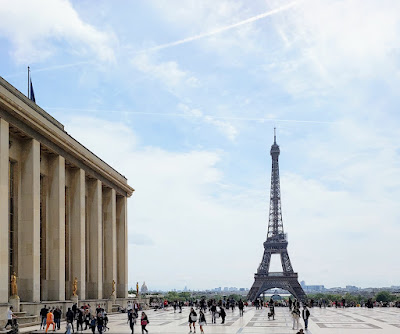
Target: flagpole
28,82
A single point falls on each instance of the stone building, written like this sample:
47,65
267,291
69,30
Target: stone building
63,212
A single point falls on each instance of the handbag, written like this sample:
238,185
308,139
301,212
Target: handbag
193,318
144,322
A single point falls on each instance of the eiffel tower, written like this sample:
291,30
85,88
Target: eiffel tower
276,243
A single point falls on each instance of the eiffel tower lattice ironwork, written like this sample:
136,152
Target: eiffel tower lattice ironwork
276,243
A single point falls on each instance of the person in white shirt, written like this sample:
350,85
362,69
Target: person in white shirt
10,317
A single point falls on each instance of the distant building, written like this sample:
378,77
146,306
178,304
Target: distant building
312,288
144,288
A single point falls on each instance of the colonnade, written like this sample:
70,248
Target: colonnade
67,224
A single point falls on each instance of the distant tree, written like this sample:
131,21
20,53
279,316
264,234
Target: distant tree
384,296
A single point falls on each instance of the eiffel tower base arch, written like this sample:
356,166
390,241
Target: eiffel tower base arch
287,282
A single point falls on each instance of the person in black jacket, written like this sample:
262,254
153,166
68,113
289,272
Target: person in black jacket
271,313
43,315
222,313
202,321
79,319
57,317
100,323
74,308
241,307
131,319
70,318
192,320
213,310
305,315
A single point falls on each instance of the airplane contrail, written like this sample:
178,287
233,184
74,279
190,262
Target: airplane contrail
202,116
168,45
222,29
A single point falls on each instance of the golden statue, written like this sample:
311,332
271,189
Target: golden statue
75,287
113,287
137,288
14,286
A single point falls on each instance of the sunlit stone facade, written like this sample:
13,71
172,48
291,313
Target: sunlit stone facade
63,211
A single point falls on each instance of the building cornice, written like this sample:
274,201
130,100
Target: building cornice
48,130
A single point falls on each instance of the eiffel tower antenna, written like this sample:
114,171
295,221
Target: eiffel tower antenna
276,243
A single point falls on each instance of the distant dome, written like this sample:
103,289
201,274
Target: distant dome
144,288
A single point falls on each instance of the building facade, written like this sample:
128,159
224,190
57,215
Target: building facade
63,211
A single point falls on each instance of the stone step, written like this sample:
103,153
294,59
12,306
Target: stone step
28,324
20,314
28,319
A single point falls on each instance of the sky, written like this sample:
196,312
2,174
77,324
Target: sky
182,98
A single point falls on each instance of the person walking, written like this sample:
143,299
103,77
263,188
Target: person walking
131,320
213,310
192,320
296,317
105,317
79,319
10,317
144,321
57,317
74,309
290,304
271,311
86,318
70,318
50,321
241,307
43,315
305,314
202,321
222,313
100,323
93,324
180,306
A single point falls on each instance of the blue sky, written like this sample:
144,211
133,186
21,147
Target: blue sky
182,98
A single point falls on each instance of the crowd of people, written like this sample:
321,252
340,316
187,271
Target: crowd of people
85,318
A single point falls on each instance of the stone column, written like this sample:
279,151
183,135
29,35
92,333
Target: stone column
29,223
95,283
4,210
77,230
109,241
56,229
122,248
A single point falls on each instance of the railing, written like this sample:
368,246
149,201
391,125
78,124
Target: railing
277,274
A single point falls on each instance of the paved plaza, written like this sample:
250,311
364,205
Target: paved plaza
326,321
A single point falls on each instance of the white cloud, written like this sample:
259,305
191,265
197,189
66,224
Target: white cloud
225,127
35,27
328,45
168,72
180,201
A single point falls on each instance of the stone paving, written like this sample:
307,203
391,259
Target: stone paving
326,321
